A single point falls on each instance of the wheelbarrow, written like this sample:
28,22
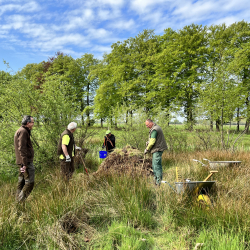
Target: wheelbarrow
199,189
193,186
219,164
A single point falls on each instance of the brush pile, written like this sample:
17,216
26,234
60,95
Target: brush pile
128,160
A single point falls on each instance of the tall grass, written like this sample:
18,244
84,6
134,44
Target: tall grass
121,212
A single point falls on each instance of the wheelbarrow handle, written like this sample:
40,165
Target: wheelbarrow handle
205,159
204,165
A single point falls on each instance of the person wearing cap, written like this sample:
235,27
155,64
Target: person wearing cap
66,151
109,142
155,145
24,159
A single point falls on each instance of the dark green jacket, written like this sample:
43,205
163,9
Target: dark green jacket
160,143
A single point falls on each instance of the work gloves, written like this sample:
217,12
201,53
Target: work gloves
68,159
78,148
145,151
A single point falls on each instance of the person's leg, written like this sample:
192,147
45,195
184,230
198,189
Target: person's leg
65,167
29,178
71,168
157,167
21,182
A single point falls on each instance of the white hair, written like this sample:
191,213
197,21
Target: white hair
72,125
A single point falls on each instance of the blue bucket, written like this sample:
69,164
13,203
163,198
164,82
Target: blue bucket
103,154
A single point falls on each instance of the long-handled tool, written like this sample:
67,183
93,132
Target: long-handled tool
203,165
169,186
211,173
84,165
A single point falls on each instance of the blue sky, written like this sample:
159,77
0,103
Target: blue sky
31,31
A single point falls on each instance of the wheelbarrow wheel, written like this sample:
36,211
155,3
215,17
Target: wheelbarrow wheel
204,200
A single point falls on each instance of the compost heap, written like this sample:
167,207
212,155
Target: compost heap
128,160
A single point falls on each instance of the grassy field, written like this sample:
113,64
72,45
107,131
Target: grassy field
120,212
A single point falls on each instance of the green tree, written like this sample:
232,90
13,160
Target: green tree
127,74
240,64
184,53
221,91
88,84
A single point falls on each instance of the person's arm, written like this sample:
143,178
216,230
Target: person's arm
65,150
152,140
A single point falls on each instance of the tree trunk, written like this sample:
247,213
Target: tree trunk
101,123
222,135
247,125
211,125
238,120
248,116
88,103
189,117
217,125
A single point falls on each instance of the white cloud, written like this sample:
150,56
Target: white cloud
27,7
59,43
123,24
93,25
101,34
227,20
100,48
104,3
145,6
78,21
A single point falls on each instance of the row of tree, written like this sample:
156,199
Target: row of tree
198,71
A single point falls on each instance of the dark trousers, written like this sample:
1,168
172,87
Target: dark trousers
157,167
67,169
26,182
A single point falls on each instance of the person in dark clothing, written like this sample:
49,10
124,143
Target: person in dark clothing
24,159
109,142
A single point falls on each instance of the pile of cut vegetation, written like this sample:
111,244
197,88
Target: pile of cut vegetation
128,160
